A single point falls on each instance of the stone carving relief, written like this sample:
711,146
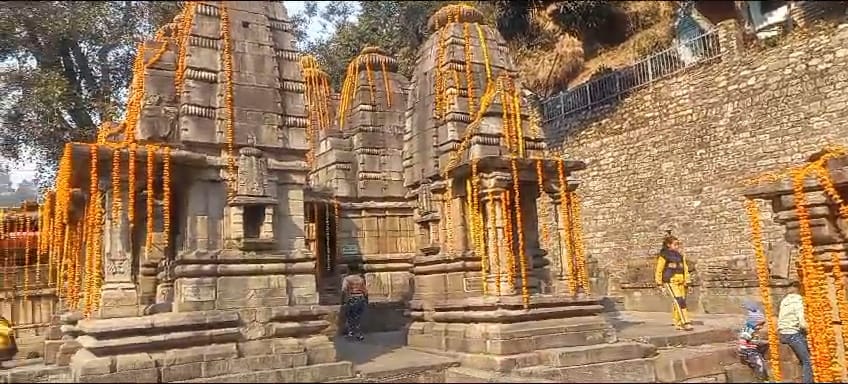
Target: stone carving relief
158,121
425,198
252,174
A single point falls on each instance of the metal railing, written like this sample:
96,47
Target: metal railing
683,55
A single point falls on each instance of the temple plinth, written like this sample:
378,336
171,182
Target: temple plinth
808,203
474,166
200,202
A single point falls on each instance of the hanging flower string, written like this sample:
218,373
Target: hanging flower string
765,292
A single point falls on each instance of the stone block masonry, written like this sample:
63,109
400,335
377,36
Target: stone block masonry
673,155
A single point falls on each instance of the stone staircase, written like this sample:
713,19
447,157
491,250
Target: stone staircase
648,349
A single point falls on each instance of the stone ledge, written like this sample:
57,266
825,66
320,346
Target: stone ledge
512,338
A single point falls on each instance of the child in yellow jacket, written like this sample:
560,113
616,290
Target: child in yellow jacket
8,346
672,276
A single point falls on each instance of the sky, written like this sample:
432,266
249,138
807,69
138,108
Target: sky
26,171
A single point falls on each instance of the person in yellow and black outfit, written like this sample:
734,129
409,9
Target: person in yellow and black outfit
8,346
672,276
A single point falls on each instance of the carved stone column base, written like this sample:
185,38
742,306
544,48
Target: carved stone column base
208,346
492,333
119,300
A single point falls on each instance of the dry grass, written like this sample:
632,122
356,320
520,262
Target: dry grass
542,70
650,30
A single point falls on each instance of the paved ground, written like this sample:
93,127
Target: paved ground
385,354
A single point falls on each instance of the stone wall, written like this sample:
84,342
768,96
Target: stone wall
674,154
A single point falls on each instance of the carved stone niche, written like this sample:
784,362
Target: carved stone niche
251,210
158,120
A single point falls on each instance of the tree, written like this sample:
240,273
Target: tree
64,68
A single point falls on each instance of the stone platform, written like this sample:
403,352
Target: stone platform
648,349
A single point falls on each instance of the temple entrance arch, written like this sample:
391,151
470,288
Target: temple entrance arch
321,239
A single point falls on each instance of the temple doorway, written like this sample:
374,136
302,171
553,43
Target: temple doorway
321,229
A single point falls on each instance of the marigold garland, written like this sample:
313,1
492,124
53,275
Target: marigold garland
448,215
477,225
469,67
753,210
508,237
132,181
166,197
522,257
495,212
5,237
565,232
439,81
41,227
92,230
116,187
370,76
385,74
821,334
484,47
577,241
151,177
182,41
543,227
27,249
227,59
337,220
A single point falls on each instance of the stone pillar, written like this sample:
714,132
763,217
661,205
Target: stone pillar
119,292
558,271
730,38
492,202
149,259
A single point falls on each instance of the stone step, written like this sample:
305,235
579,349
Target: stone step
633,370
704,361
591,354
401,365
716,362
675,338
470,375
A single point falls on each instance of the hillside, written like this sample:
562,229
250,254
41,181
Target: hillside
555,43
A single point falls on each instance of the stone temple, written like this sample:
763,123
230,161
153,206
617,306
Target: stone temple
204,238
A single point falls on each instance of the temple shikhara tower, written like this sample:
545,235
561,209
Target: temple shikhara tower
204,237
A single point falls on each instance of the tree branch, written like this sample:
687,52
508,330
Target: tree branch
78,114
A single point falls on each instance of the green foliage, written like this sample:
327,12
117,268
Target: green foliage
64,68
396,26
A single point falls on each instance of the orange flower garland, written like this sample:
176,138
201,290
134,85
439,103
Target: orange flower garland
166,197
4,236
577,240
182,41
27,249
481,37
91,224
765,292
151,177
370,76
448,213
469,67
116,187
820,332
385,74
841,299
522,257
131,183
509,246
477,225
227,58
566,247
543,227
495,210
